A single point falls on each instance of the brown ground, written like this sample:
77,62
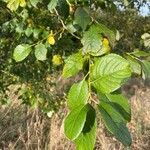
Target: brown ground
23,128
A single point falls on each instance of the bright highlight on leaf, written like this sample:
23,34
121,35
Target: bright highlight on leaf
21,52
57,60
22,3
78,94
14,4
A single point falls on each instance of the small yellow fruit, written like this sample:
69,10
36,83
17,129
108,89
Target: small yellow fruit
105,42
51,39
57,60
105,47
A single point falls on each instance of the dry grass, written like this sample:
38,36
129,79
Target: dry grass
23,128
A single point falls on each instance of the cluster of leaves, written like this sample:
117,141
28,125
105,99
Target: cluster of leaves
104,77
64,27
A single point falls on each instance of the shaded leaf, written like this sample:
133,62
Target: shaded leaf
119,103
114,122
73,65
28,31
146,69
81,17
63,8
139,53
87,138
134,64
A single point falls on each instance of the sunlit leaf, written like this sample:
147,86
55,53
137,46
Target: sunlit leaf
109,73
78,94
40,52
21,52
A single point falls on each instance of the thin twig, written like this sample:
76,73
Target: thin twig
64,26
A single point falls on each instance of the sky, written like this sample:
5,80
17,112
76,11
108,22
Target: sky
145,11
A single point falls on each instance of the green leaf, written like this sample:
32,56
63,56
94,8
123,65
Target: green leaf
114,122
146,69
40,52
73,65
110,34
81,17
34,2
52,5
28,31
78,95
71,28
119,103
63,8
134,64
75,121
86,140
36,33
21,52
139,53
92,41
109,73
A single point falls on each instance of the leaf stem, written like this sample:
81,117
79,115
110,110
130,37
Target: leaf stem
64,26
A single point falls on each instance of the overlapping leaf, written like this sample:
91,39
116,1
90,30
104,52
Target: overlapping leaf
73,65
146,39
40,52
109,72
134,64
110,34
78,94
92,41
87,138
139,53
81,17
115,123
119,103
146,69
74,122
